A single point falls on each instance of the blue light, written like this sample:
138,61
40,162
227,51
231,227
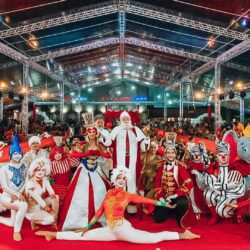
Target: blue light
244,22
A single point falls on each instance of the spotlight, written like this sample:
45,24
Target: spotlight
231,94
221,97
11,95
242,94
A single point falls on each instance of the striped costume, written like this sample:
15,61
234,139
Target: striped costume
224,185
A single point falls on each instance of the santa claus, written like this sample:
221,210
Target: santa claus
127,142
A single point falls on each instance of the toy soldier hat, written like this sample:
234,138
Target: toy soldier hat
88,119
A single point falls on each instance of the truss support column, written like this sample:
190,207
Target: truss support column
122,28
242,109
217,104
165,106
79,107
62,102
181,102
1,108
25,101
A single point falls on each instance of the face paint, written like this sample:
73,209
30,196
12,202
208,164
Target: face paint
16,157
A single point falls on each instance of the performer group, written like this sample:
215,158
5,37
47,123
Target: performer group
101,178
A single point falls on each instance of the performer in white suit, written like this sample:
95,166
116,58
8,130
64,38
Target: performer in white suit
127,142
35,151
13,177
43,209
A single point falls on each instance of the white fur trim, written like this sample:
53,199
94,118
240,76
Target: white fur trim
33,139
125,114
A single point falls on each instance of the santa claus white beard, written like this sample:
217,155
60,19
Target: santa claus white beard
126,126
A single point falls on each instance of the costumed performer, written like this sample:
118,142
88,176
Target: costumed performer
13,178
88,186
118,228
127,142
43,202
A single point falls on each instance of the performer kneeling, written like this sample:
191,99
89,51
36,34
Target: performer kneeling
13,177
118,228
43,209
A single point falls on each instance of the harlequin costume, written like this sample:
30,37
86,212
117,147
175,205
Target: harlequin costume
87,189
173,180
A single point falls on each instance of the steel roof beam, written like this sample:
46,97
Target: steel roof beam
17,56
84,14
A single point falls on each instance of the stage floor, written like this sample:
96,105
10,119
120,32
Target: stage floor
224,235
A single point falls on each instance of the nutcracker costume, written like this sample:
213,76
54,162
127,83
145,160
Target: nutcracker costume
173,183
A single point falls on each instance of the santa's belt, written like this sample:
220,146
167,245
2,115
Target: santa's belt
127,154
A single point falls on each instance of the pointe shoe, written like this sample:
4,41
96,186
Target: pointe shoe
17,236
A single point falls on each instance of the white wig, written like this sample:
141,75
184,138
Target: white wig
125,114
120,170
40,162
33,139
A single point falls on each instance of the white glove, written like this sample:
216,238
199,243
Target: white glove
141,192
147,140
171,197
195,172
162,199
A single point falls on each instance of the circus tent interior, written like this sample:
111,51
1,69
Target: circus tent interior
167,60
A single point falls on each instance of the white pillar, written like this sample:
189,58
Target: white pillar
25,102
62,102
217,109
242,109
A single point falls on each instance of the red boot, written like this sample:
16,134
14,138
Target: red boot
214,216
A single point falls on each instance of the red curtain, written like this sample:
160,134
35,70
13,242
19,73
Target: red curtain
135,117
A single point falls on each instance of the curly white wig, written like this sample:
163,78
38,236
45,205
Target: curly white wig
120,170
33,139
40,162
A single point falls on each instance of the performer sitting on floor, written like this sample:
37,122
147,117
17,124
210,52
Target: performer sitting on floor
13,178
173,184
119,228
43,203
224,185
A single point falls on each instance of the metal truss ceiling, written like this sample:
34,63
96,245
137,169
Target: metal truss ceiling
4,49
129,7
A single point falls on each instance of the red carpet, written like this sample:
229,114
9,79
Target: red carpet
224,235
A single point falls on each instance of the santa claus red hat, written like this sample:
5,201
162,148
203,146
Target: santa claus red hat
125,114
